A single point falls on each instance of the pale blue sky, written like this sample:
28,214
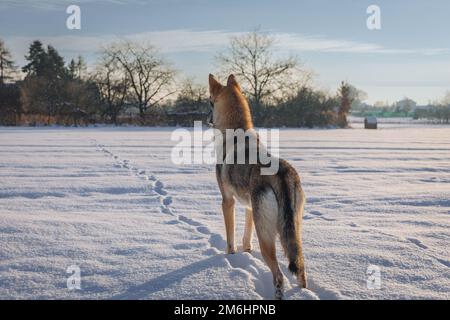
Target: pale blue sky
409,56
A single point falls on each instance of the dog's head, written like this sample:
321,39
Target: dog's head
230,109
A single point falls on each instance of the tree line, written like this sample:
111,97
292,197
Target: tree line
435,112
132,83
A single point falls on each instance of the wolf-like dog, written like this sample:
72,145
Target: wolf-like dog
274,203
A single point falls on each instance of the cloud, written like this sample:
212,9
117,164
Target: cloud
302,43
57,4
185,40
171,41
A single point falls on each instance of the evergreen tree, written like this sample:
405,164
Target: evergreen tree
55,67
44,63
72,69
36,56
77,68
7,67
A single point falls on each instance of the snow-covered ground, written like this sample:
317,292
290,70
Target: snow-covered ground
139,227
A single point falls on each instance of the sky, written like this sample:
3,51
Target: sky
408,57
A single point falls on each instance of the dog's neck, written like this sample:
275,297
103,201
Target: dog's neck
234,116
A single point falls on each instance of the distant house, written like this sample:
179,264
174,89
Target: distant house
370,123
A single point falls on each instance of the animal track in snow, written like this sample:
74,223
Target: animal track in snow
250,264
159,188
417,242
444,262
316,214
167,201
189,221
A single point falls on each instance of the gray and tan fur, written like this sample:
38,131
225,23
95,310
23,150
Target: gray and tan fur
274,203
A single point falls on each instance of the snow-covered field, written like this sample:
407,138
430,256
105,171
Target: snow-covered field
139,227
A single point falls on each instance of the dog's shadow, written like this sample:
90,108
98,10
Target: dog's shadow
264,284
145,290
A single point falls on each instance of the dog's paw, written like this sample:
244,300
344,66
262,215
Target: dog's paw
248,249
302,280
279,294
247,245
231,250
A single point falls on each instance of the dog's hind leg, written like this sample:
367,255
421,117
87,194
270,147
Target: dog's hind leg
268,252
248,231
265,214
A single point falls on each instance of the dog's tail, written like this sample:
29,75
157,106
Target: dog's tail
291,205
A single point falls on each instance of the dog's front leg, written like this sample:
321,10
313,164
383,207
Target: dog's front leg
248,231
228,214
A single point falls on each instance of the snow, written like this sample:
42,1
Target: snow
139,227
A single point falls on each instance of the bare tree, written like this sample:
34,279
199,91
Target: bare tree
191,91
265,77
150,77
444,108
192,97
446,99
405,105
112,85
7,67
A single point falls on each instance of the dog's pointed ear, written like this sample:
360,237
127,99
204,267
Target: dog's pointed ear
214,86
232,82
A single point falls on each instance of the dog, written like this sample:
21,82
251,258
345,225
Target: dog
274,203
